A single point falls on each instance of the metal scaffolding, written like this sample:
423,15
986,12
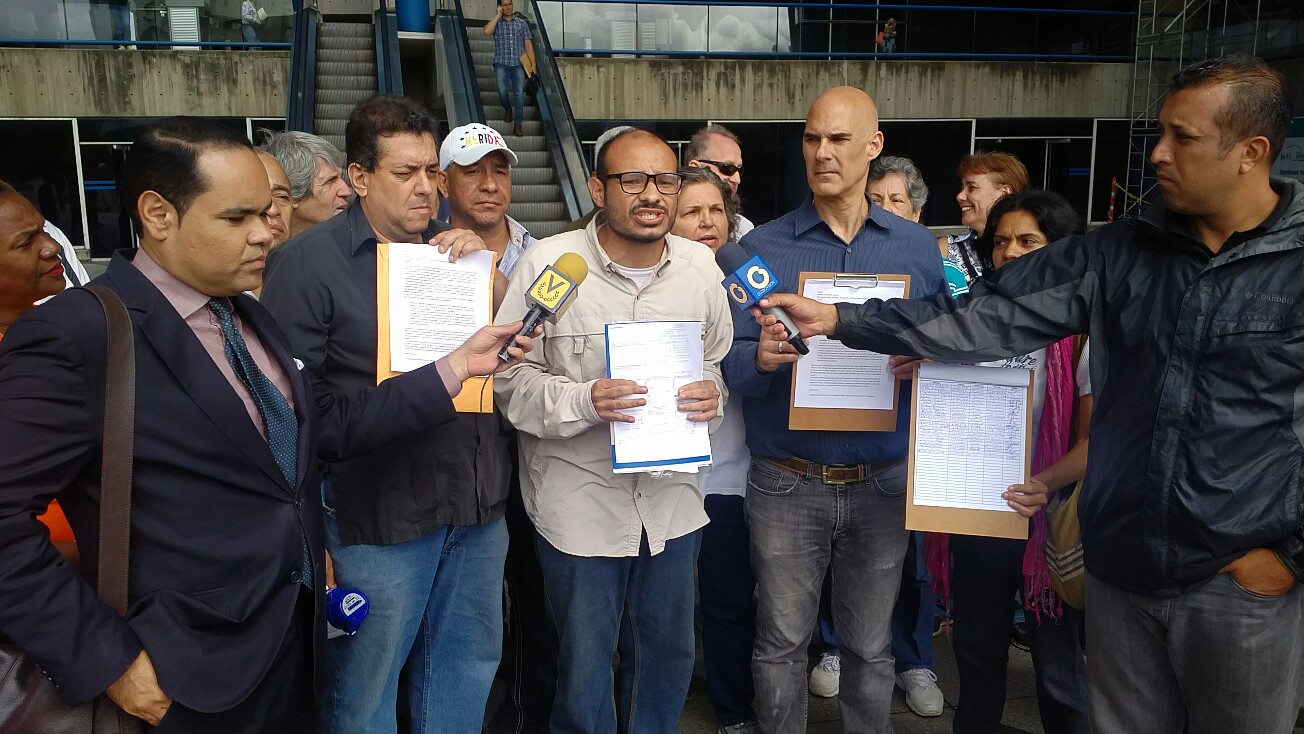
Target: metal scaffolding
1169,35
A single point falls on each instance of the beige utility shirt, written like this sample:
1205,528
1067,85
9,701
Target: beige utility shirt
575,500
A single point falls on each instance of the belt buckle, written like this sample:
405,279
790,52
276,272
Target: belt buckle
824,477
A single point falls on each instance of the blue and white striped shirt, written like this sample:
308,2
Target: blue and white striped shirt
800,242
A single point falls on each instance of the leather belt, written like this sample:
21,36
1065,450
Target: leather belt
833,473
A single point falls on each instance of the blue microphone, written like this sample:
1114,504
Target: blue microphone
747,280
345,610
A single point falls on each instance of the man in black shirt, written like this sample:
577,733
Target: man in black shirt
418,524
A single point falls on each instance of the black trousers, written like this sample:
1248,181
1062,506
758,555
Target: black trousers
283,703
985,574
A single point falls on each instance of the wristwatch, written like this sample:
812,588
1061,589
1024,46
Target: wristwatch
1291,553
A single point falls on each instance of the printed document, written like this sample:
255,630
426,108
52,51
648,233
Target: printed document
971,433
434,305
662,356
837,376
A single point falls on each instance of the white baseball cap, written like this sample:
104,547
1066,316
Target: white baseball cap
469,143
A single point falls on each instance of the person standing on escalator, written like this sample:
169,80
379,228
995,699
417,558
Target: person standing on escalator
511,41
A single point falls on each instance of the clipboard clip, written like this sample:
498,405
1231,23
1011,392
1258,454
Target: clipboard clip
855,280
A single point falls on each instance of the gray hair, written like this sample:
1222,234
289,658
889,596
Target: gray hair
696,147
887,165
693,176
298,153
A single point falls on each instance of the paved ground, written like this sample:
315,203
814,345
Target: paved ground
1020,709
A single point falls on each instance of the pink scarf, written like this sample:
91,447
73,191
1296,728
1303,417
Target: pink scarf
1054,433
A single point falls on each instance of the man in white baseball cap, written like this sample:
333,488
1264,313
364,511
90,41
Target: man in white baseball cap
475,176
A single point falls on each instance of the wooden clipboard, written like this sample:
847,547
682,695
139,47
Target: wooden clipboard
477,395
963,521
842,419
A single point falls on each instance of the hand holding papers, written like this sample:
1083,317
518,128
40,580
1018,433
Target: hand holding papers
426,307
662,357
835,387
970,439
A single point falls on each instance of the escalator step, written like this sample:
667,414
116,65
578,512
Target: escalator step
535,194
545,228
529,127
346,56
347,98
534,212
495,111
355,30
533,176
330,126
532,158
527,143
335,111
336,68
345,81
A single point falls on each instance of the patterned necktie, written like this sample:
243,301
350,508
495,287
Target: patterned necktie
279,421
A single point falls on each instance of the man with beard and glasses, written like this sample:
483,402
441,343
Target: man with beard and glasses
617,550
819,500
417,525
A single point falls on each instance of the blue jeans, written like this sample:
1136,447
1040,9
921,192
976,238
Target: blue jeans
248,33
801,527
511,81
120,15
436,615
726,590
642,605
985,574
912,616
1218,659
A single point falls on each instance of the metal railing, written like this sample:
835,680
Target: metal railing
303,80
464,96
811,30
128,23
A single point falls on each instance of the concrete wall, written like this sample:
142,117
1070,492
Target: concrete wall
98,83
727,89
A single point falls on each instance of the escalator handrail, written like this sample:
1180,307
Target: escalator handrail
558,120
464,64
389,72
299,106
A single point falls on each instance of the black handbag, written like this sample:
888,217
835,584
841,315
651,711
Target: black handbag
29,702
532,86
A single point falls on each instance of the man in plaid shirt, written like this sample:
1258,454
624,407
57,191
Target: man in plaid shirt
511,39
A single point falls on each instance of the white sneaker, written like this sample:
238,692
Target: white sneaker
922,694
824,678
747,727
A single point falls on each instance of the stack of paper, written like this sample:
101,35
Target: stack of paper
662,356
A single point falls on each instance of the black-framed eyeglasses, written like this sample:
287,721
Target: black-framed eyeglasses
635,182
727,169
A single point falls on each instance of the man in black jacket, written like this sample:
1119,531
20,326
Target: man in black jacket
225,623
417,524
1194,494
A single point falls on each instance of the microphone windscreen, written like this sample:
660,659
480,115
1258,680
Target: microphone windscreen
573,267
730,257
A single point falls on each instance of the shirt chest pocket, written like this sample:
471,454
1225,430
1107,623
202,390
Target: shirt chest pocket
578,354
1256,315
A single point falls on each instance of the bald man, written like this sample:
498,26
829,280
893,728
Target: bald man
617,551
281,212
821,500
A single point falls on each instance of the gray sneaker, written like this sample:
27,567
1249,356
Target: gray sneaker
825,677
747,727
922,694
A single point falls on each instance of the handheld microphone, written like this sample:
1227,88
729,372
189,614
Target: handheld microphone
550,295
345,610
748,280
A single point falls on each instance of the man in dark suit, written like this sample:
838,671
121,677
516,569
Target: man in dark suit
225,625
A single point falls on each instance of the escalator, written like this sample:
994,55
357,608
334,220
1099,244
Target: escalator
548,188
337,64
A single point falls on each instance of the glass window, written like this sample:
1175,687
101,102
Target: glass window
44,169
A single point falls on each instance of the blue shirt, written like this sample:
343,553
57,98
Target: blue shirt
509,41
800,242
